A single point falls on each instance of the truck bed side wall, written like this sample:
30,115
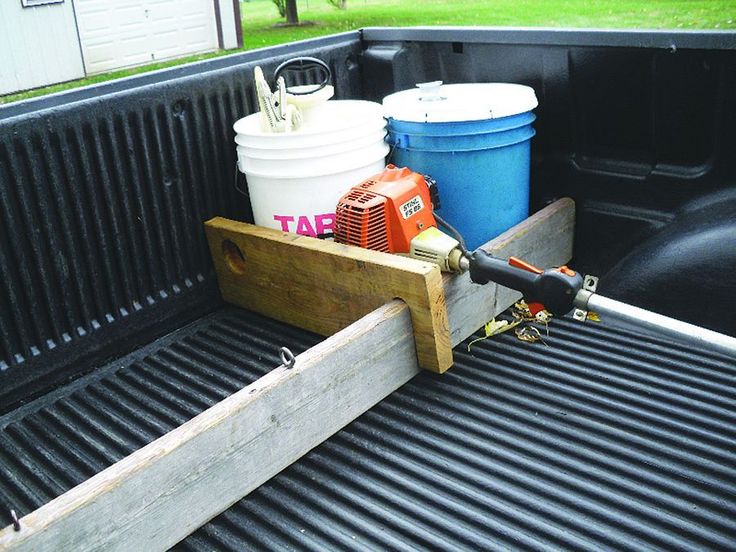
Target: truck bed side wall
103,192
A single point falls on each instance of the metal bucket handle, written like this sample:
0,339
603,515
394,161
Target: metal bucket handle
302,65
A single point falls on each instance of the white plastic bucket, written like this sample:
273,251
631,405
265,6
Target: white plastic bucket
295,180
318,163
332,122
305,205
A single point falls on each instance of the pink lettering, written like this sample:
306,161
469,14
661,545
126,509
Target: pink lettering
284,220
325,223
304,227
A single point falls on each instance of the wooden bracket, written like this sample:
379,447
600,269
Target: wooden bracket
323,286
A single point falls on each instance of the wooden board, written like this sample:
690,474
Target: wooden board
158,495
323,286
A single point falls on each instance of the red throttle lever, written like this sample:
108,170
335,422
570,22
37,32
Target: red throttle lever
534,308
554,289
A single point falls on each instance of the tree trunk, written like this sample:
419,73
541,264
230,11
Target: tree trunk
292,17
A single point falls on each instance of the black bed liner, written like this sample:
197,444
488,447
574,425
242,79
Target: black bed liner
61,439
602,439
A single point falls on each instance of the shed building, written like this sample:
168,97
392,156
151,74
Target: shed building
44,42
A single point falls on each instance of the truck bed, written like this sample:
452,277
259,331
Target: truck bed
604,440
600,439
64,437
112,331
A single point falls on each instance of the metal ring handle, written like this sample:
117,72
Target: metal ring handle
16,521
287,358
302,65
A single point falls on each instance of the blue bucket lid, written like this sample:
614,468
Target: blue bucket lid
433,102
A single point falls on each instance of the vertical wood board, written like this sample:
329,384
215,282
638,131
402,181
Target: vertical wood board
324,286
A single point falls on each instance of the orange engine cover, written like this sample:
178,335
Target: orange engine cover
385,212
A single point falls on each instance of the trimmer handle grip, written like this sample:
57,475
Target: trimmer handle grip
555,288
485,268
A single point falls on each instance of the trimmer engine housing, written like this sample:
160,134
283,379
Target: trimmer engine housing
392,212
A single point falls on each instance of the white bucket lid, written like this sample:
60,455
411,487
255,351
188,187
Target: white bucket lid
433,102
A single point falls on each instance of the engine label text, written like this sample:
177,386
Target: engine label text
411,207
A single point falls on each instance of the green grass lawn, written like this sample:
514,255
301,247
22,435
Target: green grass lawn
259,16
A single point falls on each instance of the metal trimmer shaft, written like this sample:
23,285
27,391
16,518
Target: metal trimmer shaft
560,289
624,315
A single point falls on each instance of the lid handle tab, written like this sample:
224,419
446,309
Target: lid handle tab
430,91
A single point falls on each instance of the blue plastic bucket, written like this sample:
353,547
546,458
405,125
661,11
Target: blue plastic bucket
481,168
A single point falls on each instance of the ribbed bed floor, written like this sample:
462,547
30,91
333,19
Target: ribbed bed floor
54,443
600,441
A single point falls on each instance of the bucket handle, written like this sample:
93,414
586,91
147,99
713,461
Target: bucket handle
394,143
302,66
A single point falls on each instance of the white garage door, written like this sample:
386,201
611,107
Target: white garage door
121,33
